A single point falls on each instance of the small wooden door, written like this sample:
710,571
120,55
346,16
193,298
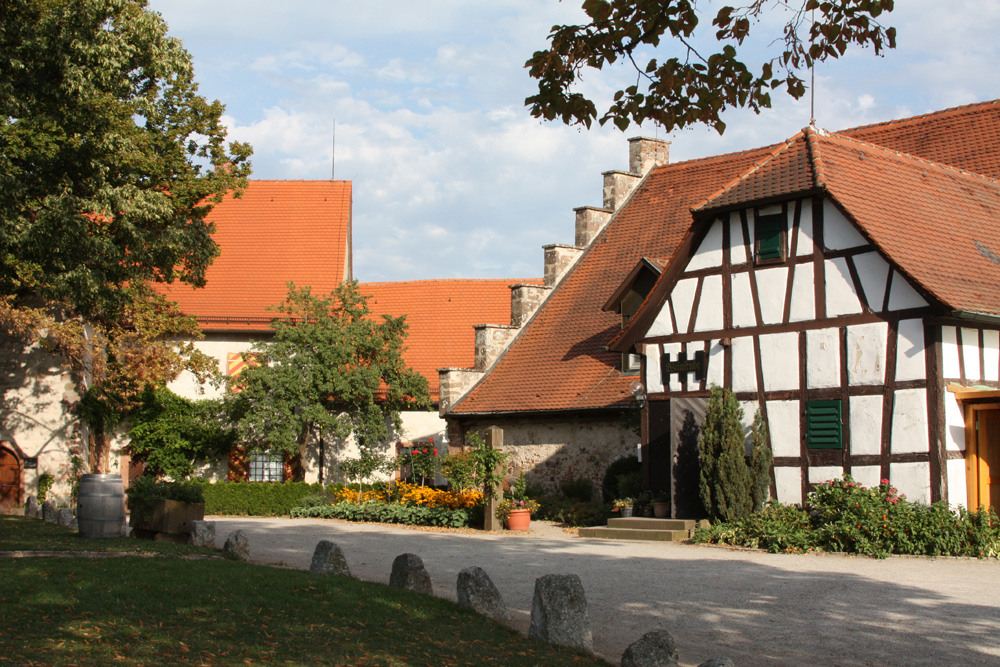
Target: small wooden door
10,481
987,472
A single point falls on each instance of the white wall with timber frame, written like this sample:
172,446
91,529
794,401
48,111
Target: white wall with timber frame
831,319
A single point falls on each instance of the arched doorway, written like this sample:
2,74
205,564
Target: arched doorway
10,479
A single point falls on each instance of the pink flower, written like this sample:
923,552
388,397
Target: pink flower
885,481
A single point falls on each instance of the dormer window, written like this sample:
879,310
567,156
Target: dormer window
628,298
769,245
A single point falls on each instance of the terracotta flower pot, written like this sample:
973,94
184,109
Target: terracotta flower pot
661,510
519,520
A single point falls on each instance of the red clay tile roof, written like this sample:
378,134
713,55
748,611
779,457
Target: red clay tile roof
556,362
441,315
279,231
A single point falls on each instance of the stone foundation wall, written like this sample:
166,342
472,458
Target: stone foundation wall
551,451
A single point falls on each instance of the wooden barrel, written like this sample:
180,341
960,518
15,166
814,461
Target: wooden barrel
100,506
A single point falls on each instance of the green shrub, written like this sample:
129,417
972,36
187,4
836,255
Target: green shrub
630,485
385,513
556,507
460,470
579,489
255,498
844,516
624,465
45,482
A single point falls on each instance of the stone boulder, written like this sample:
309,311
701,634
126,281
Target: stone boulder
477,592
64,517
237,546
559,612
49,512
718,662
654,649
31,507
203,534
408,572
329,559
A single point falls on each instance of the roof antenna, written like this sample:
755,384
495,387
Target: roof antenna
333,153
812,75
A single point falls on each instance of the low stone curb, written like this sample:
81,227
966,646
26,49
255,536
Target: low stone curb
103,554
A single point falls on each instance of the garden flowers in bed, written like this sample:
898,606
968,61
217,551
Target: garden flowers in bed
411,504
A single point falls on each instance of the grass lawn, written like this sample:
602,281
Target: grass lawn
168,610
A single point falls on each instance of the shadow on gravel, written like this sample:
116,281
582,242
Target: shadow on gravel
753,609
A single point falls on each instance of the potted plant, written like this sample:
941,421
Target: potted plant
516,513
164,510
624,505
661,505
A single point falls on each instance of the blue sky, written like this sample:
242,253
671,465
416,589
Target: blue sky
452,177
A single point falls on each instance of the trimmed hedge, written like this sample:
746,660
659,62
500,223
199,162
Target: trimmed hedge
255,498
383,513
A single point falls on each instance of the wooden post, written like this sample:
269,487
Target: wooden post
494,440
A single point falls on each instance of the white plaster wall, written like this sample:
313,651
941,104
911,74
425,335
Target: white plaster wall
902,295
867,476
744,364
716,364
779,354
771,285
218,347
838,232
820,474
803,305
690,349
912,480
709,316
805,242
743,313
866,353
970,353
991,354
954,424
662,324
822,358
36,415
738,250
910,361
788,484
909,421
841,299
866,425
654,382
958,493
783,421
682,297
873,272
949,353
709,253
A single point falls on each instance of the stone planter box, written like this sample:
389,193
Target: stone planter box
169,521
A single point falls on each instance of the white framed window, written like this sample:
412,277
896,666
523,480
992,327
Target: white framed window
266,467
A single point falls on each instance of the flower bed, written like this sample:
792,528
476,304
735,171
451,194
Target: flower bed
399,503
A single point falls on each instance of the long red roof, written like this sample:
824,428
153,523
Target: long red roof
278,231
557,364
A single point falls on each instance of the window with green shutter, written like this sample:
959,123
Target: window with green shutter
824,426
770,232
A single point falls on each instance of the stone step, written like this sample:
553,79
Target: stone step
642,523
646,534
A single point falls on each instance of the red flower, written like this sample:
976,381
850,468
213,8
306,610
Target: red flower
432,440
425,451
435,452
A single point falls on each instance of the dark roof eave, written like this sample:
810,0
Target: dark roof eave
973,316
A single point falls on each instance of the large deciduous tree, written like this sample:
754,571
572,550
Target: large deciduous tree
331,370
677,83
109,163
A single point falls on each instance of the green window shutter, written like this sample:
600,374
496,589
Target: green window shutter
824,426
770,237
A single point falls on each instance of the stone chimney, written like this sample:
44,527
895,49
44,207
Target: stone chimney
558,260
524,301
645,153
453,383
589,223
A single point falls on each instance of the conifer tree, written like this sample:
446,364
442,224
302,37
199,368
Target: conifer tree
726,485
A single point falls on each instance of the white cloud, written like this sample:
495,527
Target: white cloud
451,175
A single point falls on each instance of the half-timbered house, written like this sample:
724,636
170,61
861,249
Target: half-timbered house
851,294
562,391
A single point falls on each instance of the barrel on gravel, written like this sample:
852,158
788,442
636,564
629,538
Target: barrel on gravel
100,506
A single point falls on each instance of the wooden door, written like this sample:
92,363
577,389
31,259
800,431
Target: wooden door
10,481
988,456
